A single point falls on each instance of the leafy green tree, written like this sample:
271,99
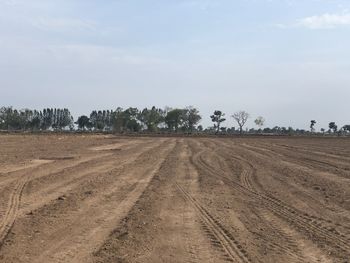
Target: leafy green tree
61,119
46,121
97,121
151,118
191,118
312,124
131,122
291,130
333,126
259,121
276,130
35,121
217,118
15,121
83,122
118,120
126,120
346,128
175,119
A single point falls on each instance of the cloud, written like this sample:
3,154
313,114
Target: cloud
325,21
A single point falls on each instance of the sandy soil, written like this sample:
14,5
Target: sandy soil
101,198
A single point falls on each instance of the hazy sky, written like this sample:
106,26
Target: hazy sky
287,60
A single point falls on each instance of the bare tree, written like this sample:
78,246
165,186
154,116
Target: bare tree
241,118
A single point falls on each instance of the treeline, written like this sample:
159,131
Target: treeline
56,119
151,120
135,120
129,120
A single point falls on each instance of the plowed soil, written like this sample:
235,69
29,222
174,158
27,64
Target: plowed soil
95,198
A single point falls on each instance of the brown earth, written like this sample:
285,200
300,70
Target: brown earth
94,198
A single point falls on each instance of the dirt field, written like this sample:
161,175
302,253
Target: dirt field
112,199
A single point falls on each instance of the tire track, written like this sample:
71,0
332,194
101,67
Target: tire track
293,216
299,176
12,210
102,211
248,178
51,191
310,159
70,165
298,243
15,199
220,236
257,187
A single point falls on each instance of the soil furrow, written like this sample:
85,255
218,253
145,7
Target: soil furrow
107,199
218,232
293,216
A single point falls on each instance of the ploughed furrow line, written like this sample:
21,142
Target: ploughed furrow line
58,166
53,168
12,210
220,237
292,215
104,212
52,183
250,174
98,159
317,152
326,224
66,181
309,159
304,159
249,180
14,207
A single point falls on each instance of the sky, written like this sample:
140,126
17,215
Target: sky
285,60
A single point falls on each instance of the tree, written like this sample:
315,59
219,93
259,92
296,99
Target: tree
260,121
97,120
192,118
333,126
130,122
35,122
66,119
290,130
346,128
46,122
83,122
174,119
312,124
217,118
241,118
151,118
27,119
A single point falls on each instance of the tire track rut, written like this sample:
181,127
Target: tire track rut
12,210
292,215
220,236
